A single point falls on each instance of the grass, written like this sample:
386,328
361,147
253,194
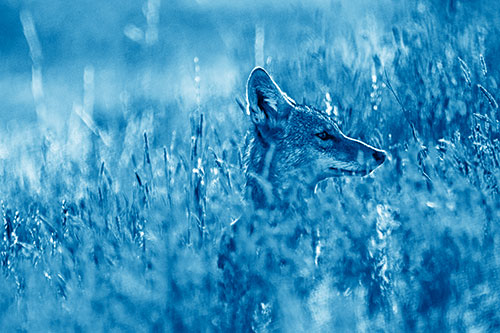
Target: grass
113,223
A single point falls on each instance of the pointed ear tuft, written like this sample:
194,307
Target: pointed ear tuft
266,103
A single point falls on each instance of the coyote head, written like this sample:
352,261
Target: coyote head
298,141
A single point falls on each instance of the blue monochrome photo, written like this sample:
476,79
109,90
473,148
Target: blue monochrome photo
250,166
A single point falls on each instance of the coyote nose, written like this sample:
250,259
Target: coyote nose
379,156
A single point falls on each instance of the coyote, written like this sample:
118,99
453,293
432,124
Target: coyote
290,148
293,144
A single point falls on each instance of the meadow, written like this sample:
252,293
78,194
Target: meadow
121,148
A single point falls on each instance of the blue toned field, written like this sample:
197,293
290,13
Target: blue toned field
121,148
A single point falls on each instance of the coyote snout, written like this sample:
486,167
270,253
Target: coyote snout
347,156
298,141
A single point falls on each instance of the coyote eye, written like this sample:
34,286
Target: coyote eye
323,135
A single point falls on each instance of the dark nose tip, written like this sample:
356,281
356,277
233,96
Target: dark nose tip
379,156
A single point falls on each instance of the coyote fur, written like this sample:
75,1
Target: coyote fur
292,145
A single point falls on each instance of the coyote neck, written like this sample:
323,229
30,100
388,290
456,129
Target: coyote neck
260,177
266,186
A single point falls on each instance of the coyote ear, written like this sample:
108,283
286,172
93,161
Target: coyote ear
266,103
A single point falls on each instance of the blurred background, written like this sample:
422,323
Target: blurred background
53,53
56,56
